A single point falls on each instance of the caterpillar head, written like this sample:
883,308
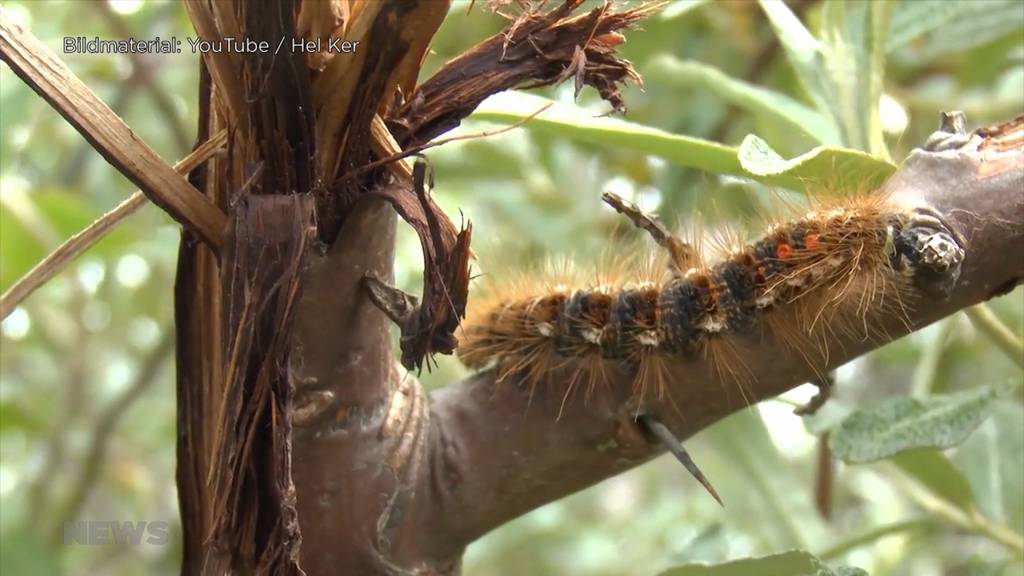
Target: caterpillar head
930,248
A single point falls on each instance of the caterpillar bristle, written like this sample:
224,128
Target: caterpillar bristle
803,282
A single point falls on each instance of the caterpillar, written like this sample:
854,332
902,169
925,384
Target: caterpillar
827,268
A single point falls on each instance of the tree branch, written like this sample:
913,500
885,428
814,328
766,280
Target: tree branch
470,486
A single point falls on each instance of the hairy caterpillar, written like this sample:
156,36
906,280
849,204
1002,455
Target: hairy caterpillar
831,265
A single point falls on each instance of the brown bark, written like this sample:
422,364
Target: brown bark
234,312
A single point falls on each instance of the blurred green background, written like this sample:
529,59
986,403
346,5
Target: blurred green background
87,428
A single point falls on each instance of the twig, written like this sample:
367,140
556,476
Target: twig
404,173
71,249
971,520
394,303
990,325
824,478
672,444
681,253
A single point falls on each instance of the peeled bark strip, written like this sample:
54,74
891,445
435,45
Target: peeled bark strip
430,328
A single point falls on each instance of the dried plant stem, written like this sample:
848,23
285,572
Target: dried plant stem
74,246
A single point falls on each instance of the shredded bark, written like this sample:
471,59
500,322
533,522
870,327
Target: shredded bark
430,328
235,316
390,50
197,363
280,105
255,527
537,49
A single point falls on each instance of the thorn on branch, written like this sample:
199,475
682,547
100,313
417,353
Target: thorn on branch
672,444
394,303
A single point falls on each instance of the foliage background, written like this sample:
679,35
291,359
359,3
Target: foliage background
87,402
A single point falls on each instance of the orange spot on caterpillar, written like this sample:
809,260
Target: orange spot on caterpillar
811,241
783,251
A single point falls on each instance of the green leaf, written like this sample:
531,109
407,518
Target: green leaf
828,167
947,26
838,169
992,459
841,72
803,51
854,36
940,421
752,98
793,563
937,473
577,124
919,17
